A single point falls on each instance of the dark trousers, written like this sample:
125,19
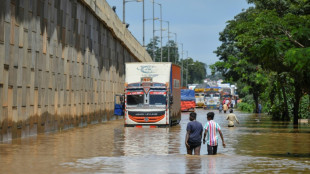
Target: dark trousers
212,150
193,145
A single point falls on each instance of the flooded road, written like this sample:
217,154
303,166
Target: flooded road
257,145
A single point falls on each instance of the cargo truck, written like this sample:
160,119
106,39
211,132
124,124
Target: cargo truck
212,97
200,96
188,101
152,94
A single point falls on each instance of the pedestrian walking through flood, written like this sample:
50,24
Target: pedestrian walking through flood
211,128
193,135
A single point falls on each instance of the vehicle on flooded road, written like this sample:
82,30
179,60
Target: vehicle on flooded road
188,100
152,94
199,96
212,97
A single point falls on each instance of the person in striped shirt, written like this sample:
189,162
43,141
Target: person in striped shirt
211,128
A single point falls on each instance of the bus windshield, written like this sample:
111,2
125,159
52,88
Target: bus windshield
135,98
216,95
158,98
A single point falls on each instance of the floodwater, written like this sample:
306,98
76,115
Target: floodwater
257,145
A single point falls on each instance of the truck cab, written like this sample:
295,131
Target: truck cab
151,101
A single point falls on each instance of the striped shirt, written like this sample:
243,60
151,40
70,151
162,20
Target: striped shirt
212,127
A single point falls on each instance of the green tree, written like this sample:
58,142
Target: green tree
193,71
171,46
234,64
171,49
154,52
197,72
282,39
274,37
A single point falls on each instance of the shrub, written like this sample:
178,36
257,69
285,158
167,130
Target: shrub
243,106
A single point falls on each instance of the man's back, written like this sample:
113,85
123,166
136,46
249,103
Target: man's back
225,107
212,127
231,118
195,128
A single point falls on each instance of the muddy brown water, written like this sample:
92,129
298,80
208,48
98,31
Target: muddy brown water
257,145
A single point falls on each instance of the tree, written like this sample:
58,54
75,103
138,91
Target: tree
173,50
274,37
193,71
282,39
154,52
234,64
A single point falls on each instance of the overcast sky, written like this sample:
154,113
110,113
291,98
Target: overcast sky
196,22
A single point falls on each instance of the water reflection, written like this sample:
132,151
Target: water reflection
142,141
193,164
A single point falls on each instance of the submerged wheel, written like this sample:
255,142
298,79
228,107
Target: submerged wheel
170,123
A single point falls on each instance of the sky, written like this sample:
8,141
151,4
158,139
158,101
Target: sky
196,22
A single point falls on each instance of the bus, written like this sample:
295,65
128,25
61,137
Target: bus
212,97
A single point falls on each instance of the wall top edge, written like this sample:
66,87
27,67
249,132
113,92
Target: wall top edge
105,13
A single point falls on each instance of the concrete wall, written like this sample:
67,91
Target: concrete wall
61,62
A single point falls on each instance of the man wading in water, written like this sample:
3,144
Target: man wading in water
211,128
231,118
193,135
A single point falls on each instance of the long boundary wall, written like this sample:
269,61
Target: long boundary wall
61,62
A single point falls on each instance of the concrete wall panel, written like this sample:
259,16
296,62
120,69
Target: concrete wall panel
61,62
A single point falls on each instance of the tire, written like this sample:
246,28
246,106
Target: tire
170,123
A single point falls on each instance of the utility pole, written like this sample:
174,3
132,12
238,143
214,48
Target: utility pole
168,43
175,41
186,67
154,60
124,2
161,34
143,24
182,66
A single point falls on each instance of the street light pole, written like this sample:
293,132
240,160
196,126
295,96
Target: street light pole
143,25
175,41
153,34
186,67
182,66
161,35
168,41
124,3
161,31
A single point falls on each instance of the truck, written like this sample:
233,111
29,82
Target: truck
199,96
226,95
212,97
188,101
152,94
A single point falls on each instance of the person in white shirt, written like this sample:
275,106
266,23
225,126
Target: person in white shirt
231,117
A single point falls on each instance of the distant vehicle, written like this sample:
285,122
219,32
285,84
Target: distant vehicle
119,104
212,97
226,95
188,101
199,96
192,86
152,94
